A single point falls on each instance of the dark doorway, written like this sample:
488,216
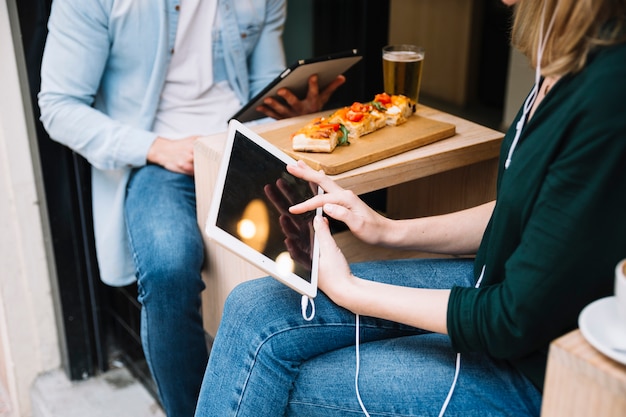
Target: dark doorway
353,24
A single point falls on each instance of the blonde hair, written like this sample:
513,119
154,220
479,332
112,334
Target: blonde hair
579,27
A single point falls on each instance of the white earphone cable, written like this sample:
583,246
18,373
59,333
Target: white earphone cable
530,100
358,366
457,369
304,303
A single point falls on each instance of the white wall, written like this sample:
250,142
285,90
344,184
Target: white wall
28,332
520,80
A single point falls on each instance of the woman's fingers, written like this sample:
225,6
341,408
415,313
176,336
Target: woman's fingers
302,170
333,267
331,189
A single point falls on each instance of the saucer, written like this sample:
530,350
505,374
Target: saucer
599,325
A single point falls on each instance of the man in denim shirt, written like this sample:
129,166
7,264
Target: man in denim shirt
130,85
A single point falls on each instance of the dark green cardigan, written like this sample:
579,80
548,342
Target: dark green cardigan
559,225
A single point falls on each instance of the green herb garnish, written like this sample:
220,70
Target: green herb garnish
343,140
379,106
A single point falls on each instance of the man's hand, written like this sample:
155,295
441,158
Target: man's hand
313,102
173,155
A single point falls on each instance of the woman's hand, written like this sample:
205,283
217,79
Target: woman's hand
423,308
334,275
173,155
340,204
291,106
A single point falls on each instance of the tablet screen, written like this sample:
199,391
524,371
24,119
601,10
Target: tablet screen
253,193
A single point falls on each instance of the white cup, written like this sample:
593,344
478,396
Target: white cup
620,292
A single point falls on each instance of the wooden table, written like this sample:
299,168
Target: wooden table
448,175
581,381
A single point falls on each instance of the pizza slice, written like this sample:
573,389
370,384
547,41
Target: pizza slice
397,108
324,134
320,135
360,119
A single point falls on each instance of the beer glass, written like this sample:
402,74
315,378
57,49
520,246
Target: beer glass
402,70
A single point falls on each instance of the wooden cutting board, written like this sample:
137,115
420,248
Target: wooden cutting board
388,141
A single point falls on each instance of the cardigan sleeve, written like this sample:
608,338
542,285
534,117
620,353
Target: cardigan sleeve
268,57
77,64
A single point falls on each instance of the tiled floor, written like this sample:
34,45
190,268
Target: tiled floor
113,394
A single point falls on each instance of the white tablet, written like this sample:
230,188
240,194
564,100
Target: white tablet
296,79
248,213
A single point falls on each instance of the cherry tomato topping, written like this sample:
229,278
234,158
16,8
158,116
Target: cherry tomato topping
354,116
383,98
334,126
360,107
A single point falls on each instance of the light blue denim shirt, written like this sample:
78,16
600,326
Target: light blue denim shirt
103,70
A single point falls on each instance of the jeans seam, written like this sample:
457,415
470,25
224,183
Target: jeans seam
265,341
276,333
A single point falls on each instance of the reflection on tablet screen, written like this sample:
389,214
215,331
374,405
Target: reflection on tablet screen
257,193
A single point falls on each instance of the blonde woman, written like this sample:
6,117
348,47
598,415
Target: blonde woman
464,337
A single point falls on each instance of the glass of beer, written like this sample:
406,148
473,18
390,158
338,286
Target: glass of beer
402,70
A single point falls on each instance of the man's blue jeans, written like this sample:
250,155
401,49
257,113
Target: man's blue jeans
168,251
268,361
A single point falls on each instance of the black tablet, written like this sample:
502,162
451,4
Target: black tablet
296,79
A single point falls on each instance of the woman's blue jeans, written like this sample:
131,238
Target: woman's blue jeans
268,361
168,251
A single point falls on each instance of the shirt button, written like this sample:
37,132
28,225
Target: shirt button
244,35
177,7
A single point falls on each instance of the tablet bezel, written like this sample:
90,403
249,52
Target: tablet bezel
238,247
296,79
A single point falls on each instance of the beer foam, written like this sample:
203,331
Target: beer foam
403,56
